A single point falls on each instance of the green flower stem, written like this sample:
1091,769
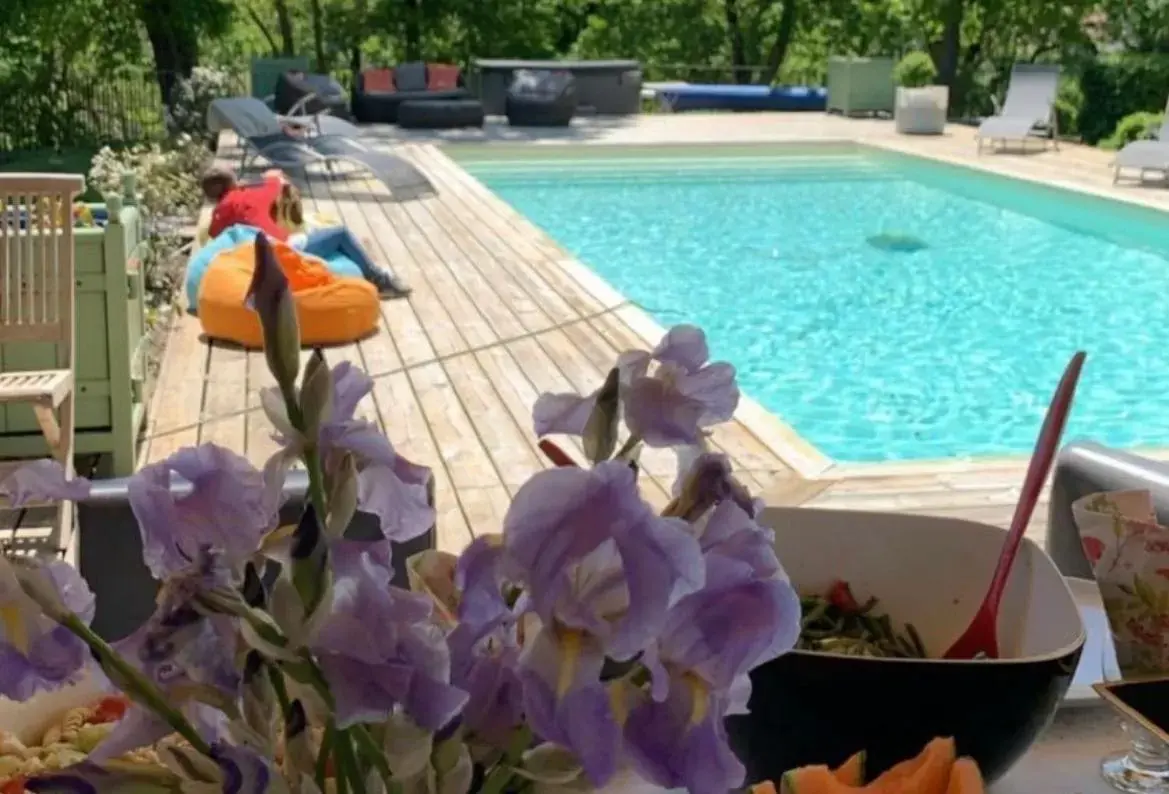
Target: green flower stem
368,748
347,766
499,777
139,687
323,757
281,690
628,447
316,484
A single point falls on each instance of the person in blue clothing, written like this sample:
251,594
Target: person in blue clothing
274,206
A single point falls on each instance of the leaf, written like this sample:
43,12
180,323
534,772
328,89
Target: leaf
600,433
550,763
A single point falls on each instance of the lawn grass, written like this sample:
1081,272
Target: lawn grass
41,161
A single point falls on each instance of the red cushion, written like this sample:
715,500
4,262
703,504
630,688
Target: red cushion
442,77
378,81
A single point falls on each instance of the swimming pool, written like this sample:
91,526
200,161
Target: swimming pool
886,307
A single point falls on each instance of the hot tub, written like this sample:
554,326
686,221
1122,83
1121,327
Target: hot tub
609,88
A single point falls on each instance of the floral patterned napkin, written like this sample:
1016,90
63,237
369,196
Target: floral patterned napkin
1129,554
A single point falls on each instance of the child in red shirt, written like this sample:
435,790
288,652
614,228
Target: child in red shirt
260,204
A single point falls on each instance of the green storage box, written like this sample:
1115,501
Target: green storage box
110,346
266,71
860,85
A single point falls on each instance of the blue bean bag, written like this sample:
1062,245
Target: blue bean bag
229,239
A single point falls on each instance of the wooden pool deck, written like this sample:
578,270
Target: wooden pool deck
500,313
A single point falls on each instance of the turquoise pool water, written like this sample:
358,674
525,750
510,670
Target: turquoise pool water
886,307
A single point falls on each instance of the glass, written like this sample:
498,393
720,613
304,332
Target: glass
1144,767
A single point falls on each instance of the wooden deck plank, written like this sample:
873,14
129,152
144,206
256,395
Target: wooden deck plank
394,401
223,423
176,407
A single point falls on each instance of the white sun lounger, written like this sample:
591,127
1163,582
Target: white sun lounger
1144,156
1030,105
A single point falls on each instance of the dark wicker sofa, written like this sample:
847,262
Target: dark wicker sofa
377,93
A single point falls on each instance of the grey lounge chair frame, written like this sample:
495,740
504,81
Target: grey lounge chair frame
1029,105
262,134
1145,156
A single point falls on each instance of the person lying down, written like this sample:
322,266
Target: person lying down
274,206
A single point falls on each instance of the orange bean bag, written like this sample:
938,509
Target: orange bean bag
331,309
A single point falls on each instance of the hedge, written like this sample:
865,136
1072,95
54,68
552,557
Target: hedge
1118,86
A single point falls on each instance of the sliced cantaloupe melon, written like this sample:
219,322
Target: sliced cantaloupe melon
928,773
965,778
933,771
852,771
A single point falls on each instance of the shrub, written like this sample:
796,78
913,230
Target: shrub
915,70
1118,86
169,196
187,113
1134,127
1069,104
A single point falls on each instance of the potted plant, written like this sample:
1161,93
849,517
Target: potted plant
920,107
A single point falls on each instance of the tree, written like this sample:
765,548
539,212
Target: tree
174,28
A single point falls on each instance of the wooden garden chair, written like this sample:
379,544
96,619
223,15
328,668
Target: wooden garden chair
37,306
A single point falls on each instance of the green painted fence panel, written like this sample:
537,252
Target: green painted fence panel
110,343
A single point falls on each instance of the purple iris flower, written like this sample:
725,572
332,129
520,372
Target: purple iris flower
479,581
43,480
184,651
593,555
484,666
35,652
710,641
736,547
378,647
389,486
706,479
601,570
665,408
228,508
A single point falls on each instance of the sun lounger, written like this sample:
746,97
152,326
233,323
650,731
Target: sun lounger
1030,105
1144,156
265,135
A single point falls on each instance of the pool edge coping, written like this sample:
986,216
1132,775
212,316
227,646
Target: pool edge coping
805,459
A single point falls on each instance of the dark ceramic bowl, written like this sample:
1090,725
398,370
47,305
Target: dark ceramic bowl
820,708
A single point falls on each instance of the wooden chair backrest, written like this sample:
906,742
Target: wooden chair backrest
37,259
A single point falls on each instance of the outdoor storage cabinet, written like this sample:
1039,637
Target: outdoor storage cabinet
109,347
610,88
860,85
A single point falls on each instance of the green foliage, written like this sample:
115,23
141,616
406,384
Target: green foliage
1134,127
915,70
1118,86
1069,104
168,176
187,114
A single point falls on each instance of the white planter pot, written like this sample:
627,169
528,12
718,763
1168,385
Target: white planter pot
921,111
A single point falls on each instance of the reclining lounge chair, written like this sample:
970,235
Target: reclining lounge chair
1030,105
1144,156
264,134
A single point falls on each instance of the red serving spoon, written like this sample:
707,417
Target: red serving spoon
981,636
